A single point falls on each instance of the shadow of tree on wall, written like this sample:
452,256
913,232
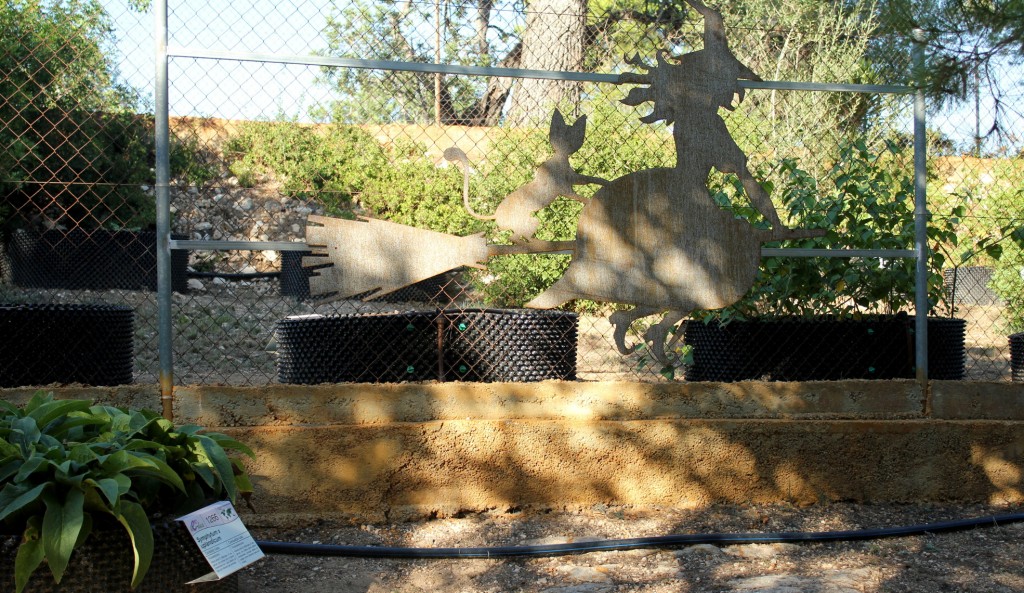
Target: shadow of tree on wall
407,453
510,470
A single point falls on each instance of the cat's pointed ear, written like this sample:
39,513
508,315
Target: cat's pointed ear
577,134
557,122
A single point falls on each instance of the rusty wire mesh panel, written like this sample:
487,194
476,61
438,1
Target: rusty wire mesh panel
258,146
76,201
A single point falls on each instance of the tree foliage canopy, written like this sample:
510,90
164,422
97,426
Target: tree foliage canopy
67,127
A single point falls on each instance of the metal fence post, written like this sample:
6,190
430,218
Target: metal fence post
163,214
920,214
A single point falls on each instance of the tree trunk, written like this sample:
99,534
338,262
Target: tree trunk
553,40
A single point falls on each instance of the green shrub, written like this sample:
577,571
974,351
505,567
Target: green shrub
79,169
866,202
987,206
71,150
191,163
328,163
67,466
1008,283
410,189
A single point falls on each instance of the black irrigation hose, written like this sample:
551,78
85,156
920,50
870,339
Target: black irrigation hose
234,275
303,549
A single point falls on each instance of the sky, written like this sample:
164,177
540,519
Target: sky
227,89
239,90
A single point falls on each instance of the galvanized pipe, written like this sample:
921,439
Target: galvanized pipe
163,214
455,69
920,215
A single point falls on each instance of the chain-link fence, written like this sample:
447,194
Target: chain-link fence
279,111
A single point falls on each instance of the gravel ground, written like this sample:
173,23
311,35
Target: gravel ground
987,559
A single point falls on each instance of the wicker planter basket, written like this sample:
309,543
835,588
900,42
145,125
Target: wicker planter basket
43,344
104,564
822,349
483,345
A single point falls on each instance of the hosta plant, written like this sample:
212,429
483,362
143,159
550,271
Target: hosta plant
69,468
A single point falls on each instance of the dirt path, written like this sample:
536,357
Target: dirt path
980,560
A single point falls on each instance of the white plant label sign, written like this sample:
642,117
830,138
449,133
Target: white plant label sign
222,538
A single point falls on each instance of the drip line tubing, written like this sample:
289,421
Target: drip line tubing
305,549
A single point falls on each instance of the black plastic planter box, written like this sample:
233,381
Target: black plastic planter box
44,344
484,345
822,349
1017,356
91,260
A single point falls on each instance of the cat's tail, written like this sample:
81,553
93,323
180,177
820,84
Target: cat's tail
455,154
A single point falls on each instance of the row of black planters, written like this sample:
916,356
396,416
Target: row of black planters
822,349
1017,356
43,344
91,260
484,345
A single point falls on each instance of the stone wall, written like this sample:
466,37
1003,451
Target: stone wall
374,453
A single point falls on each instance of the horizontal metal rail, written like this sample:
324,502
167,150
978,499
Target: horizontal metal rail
432,68
765,251
240,245
799,252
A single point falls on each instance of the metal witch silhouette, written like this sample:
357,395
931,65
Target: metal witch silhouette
653,238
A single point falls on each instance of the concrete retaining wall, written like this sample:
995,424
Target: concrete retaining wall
375,453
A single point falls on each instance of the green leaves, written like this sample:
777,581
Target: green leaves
30,554
866,202
133,517
64,461
61,525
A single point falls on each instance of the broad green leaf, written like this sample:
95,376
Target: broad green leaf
221,464
121,461
31,465
242,480
7,450
25,434
83,454
106,412
136,444
9,408
67,428
227,442
121,423
68,474
30,556
109,487
189,429
62,523
50,442
38,398
157,468
132,516
124,483
14,498
9,468
205,472
54,410
138,421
